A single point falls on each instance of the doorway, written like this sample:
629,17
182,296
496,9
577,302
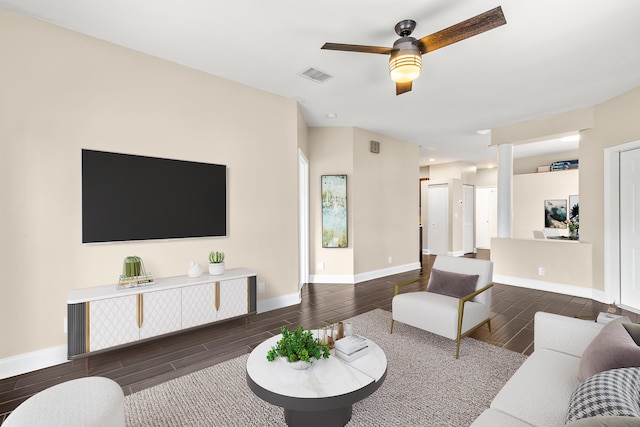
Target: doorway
621,213
303,219
486,216
438,219
629,232
468,203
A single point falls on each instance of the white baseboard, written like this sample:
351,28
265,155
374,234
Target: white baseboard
376,274
362,277
27,362
278,302
332,278
576,291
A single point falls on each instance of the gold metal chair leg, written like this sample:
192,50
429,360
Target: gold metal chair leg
460,314
489,325
391,330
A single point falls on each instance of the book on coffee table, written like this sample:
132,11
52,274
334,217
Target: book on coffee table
353,356
350,345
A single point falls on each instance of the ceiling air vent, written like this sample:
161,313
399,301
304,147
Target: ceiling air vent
374,147
315,75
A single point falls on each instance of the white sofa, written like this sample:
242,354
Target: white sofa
538,394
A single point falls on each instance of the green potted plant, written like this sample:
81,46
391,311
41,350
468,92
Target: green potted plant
574,226
216,263
298,348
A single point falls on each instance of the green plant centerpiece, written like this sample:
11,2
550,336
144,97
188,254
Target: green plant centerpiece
299,345
216,263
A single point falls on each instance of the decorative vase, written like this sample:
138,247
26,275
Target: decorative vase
574,234
299,364
216,269
194,270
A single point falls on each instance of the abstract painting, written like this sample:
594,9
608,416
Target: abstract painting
555,213
334,211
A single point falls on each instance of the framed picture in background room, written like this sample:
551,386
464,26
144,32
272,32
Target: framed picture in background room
334,211
555,213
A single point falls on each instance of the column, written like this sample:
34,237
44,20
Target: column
505,190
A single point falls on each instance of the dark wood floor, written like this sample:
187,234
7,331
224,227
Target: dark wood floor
146,365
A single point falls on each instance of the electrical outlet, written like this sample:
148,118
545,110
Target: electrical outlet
320,265
262,287
390,260
541,271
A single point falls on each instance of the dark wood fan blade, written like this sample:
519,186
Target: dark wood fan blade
403,87
471,27
357,48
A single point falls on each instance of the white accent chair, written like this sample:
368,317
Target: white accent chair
450,317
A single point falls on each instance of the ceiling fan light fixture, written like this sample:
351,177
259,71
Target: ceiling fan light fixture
405,67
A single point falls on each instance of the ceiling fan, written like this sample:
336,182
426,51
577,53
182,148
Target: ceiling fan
405,63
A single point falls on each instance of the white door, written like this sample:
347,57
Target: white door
486,216
467,219
438,219
630,228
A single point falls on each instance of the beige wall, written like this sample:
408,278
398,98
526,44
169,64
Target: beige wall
466,172
61,92
382,197
330,153
385,203
565,263
487,177
607,124
616,123
529,193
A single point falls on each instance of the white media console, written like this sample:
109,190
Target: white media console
103,317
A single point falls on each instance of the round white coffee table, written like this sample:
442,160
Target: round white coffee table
322,395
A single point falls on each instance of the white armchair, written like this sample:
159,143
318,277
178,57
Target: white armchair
448,316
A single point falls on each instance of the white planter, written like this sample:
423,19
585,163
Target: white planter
216,269
299,365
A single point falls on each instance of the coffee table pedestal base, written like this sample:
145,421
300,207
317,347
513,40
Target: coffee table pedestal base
338,417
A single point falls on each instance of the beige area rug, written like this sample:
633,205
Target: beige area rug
425,385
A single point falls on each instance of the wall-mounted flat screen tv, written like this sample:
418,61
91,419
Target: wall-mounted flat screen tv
128,197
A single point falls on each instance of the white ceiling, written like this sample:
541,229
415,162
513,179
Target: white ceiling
551,56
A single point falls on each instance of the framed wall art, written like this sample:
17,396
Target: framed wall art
574,208
555,213
334,211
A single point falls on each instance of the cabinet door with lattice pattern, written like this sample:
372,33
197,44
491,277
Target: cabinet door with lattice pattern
234,298
198,305
160,313
112,322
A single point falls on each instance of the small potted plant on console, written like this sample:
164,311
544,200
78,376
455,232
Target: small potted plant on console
216,263
298,348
